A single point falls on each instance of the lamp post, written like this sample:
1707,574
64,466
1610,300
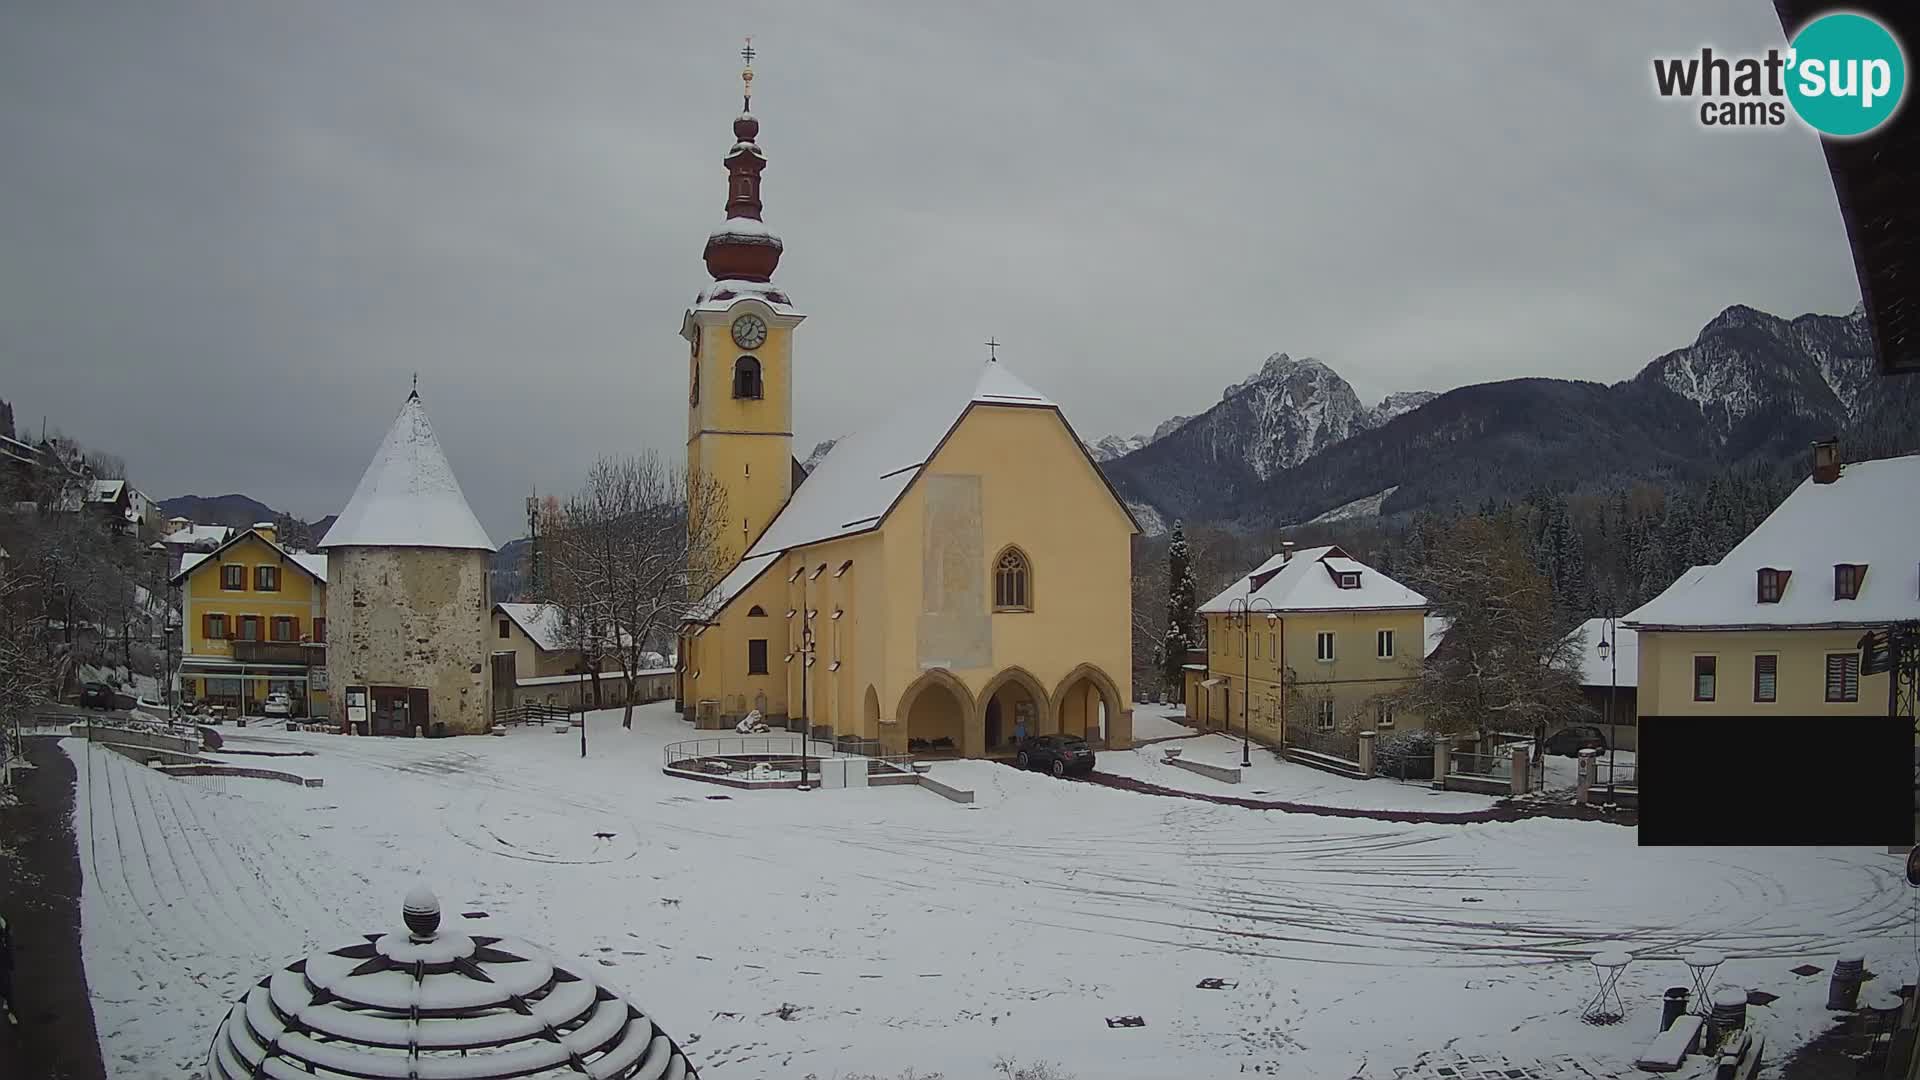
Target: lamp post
581,693
1609,651
806,661
1242,609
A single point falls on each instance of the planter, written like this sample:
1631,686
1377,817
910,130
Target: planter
923,767
1172,752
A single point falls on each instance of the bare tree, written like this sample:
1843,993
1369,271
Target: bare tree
627,552
1505,664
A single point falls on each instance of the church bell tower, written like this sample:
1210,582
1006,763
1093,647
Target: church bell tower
739,334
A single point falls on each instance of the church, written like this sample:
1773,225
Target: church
955,576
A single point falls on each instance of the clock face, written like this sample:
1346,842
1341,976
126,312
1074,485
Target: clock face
749,332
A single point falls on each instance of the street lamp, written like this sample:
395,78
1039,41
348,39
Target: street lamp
806,661
581,694
1241,609
1609,652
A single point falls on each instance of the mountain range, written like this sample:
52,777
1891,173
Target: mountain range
236,511
1293,444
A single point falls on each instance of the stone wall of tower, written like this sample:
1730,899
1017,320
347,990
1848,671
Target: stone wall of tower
414,617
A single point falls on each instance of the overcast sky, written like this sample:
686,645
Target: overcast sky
230,233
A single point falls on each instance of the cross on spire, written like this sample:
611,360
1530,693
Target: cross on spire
992,349
416,385
746,76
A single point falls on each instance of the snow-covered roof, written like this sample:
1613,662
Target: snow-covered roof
605,670
1304,584
1869,516
108,490
723,294
731,586
861,477
747,228
544,624
1595,671
196,535
312,562
408,496
1436,632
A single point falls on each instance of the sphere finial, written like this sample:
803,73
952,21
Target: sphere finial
421,911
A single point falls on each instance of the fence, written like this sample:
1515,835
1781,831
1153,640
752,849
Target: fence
533,712
782,753
1344,745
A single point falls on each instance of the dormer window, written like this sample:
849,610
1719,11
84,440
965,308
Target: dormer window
1349,581
1772,584
1846,580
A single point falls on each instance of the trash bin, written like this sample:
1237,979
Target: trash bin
1673,1005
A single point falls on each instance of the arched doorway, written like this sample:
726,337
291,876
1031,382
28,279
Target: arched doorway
870,714
934,711
1087,703
1012,703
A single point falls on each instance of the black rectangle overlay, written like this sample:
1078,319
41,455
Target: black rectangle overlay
1730,781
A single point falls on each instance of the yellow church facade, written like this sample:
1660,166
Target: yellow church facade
953,578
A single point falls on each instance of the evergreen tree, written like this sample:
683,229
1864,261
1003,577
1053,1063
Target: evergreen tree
1181,602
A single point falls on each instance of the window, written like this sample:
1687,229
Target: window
249,628
1349,581
266,578
320,631
1772,584
233,577
1843,676
1382,714
757,656
1383,644
213,627
1273,646
284,628
1323,714
1846,580
758,612
746,378
1704,668
1766,678
1323,645
505,629
1256,646
1012,589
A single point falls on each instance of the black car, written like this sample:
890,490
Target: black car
1058,754
1572,739
95,695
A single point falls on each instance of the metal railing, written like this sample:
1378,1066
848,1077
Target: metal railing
1344,745
1626,774
779,752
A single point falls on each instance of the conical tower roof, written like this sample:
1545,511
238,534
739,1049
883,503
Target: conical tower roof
408,496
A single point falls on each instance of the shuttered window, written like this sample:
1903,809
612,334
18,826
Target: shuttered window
233,577
285,628
266,578
249,628
1705,673
320,631
213,627
1843,676
1766,678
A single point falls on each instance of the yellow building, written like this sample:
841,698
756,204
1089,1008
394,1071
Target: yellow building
938,584
1309,649
1774,628
254,620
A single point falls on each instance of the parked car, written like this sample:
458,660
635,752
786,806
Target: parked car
1573,738
277,705
95,695
1058,754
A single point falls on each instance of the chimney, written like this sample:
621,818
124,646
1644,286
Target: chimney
266,529
1826,461
1286,551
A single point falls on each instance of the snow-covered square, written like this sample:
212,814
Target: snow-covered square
833,933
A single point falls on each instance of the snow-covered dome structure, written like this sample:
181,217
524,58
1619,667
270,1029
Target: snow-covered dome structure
423,1002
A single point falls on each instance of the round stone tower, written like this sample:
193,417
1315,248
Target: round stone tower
407,594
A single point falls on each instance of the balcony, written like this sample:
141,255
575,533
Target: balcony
279,652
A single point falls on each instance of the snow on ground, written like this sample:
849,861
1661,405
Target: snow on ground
911,932
1159,722
1278,780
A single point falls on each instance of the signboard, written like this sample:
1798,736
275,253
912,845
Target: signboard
317,679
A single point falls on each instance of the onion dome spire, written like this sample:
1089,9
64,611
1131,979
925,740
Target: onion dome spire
744,249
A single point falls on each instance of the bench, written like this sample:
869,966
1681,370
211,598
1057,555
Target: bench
1667,1049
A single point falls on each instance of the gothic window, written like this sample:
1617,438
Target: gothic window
756,612
1012,582
746,378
